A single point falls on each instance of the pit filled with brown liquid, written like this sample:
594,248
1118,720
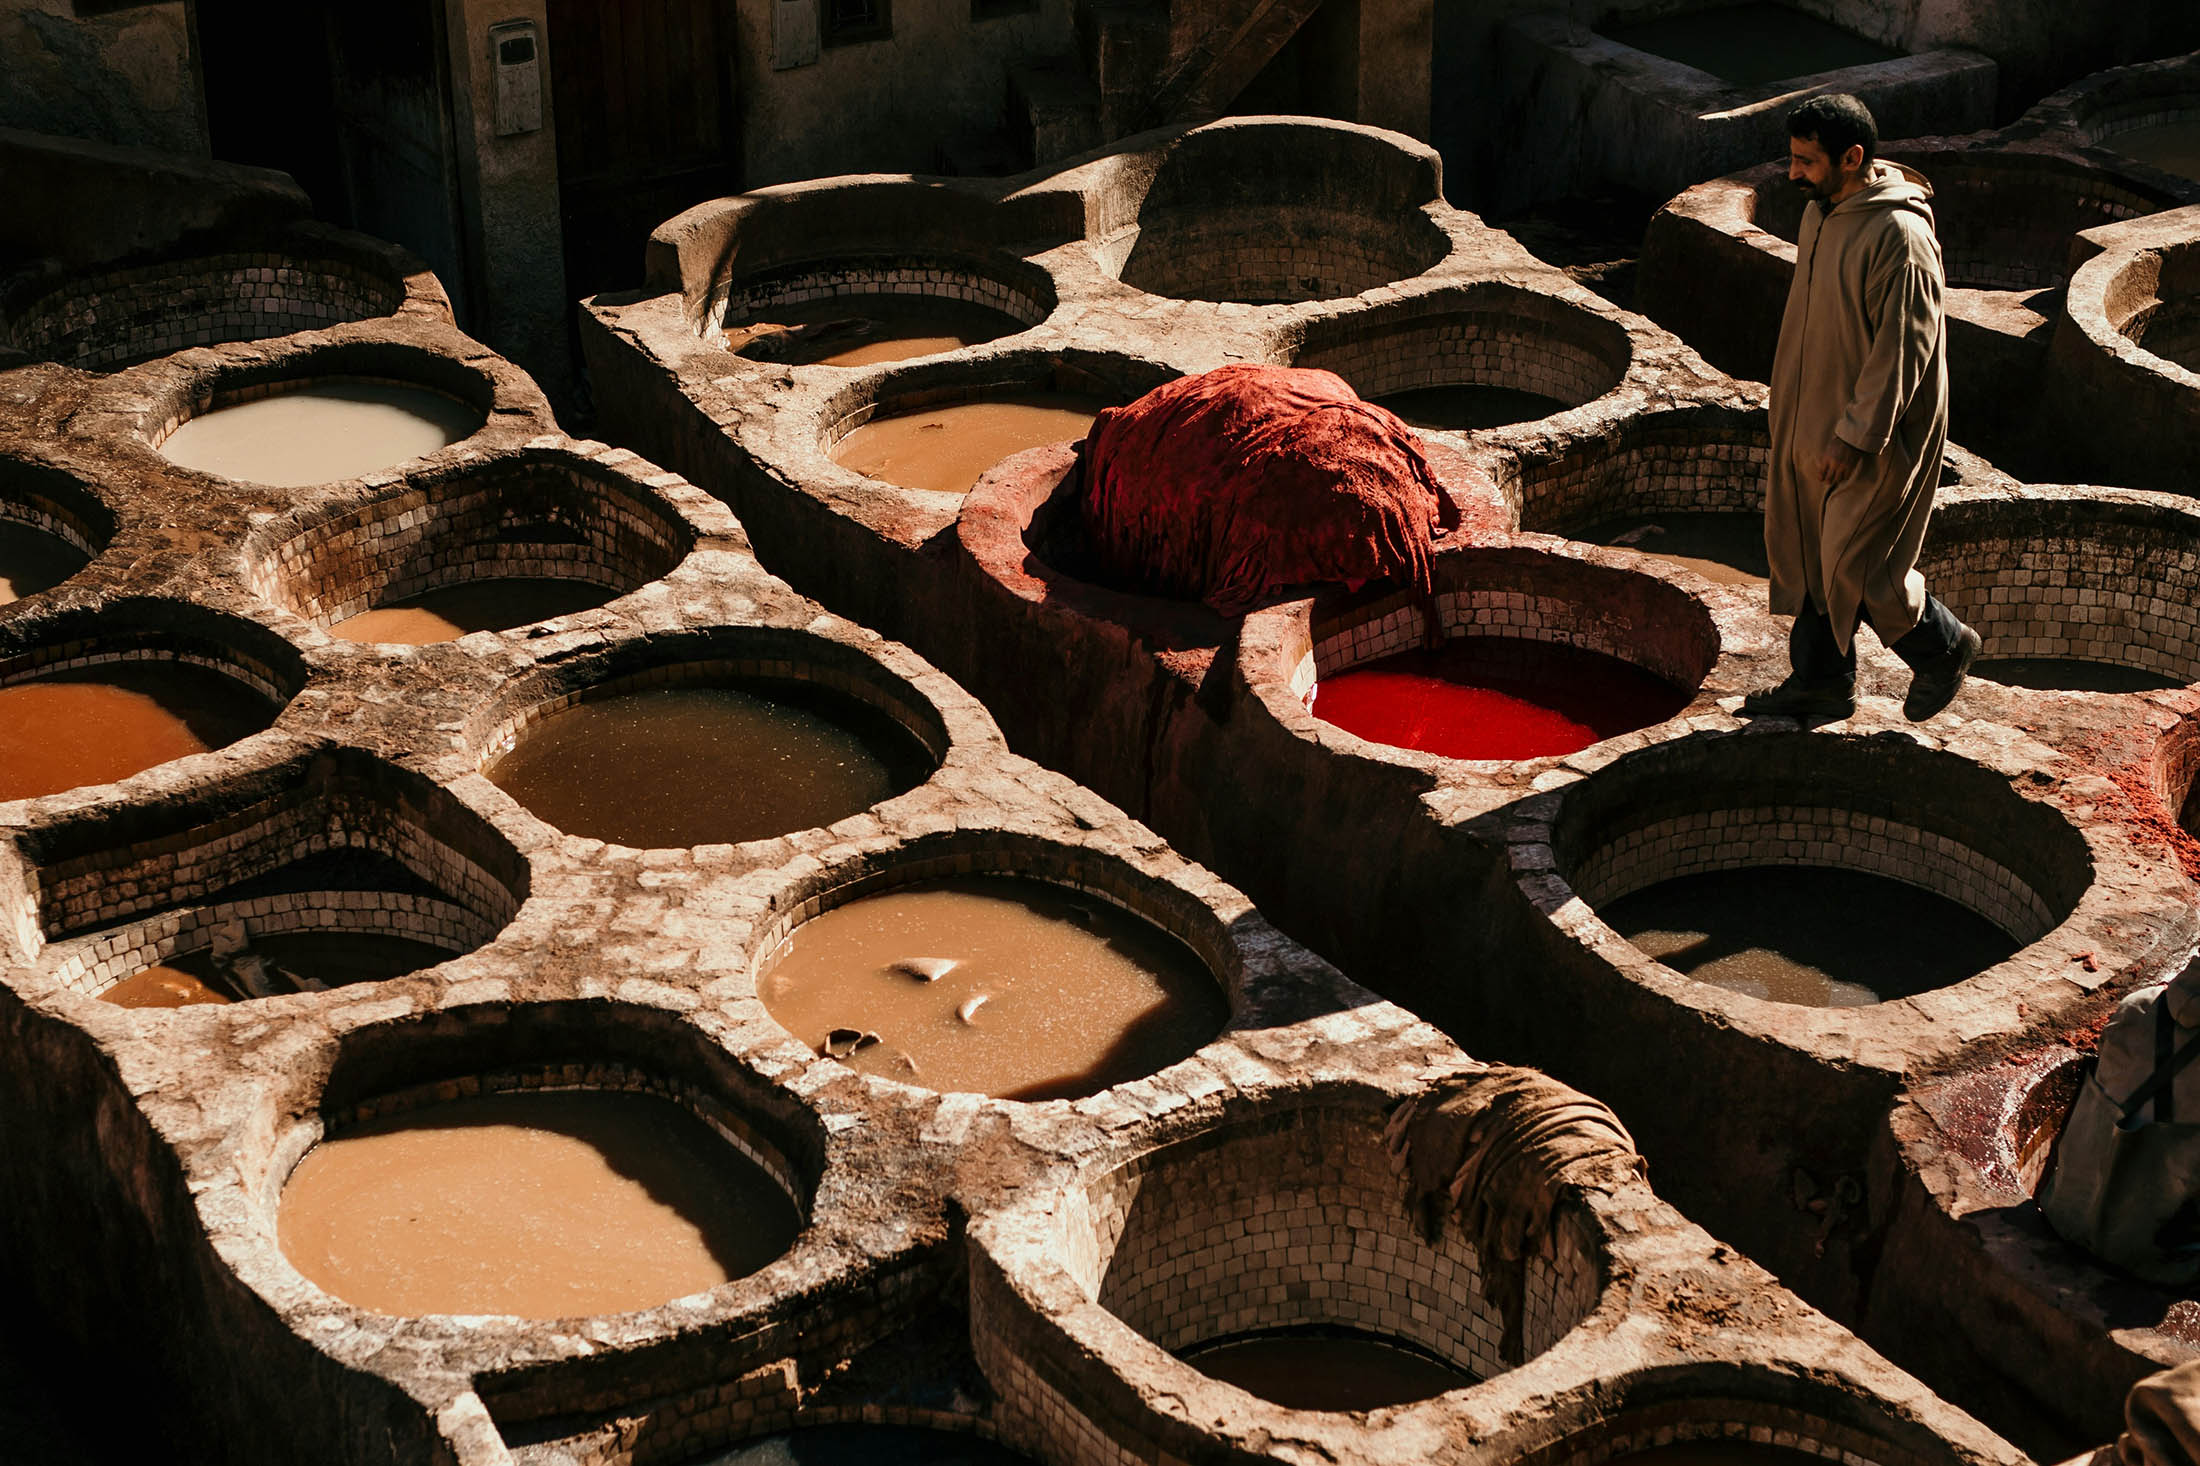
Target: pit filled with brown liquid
96,724
299,961
2173,147
32,560
1818,937
1727,549
320,433
475,605
701,765
1327,1369
538,1204
865,330
994,985
947,449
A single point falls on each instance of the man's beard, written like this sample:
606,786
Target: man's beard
1814,191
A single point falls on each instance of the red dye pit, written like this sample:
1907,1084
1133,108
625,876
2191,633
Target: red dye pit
1491,697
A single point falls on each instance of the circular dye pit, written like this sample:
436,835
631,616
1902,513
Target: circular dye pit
274,963
2073,590
948,448
709,764
865,330
321,432
993,985
1726,549
1817,869
97,724
1818,937
1718,1453
2173,147
535,1204
1493,697
1281,1253
1326,1369
1468,408
31,560
866,1445
476,605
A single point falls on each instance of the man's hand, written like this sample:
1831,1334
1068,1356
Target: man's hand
1840,460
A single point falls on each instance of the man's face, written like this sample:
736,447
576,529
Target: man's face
1816,173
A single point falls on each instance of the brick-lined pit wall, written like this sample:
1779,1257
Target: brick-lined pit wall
1525,595
1276,254
1712,1421
1692,461
1024,292
1521,340
1292,1219
108,320
1928,819
2111,581
541,516
55,502
142,885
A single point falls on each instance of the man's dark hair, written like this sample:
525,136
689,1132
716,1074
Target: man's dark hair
1836,122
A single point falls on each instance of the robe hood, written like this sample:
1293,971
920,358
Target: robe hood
1890,186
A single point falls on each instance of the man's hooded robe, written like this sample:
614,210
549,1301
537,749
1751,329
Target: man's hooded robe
1863,356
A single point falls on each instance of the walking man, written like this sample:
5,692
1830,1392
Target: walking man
1859,418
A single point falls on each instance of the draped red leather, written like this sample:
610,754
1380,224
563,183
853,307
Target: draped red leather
1239,484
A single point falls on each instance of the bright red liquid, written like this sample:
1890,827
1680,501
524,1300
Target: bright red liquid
1487,697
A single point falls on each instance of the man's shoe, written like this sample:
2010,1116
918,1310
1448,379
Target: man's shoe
1936,684
1826,700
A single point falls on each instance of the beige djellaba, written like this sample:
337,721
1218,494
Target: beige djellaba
1863,356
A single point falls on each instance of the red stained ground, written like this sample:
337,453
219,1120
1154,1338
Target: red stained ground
1495,698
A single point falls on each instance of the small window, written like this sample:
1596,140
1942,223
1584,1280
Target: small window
857,20
1001,9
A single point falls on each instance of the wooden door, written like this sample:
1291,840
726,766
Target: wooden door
643,95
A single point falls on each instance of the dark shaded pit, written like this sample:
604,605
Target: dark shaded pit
1751,44
1467,408
1818,937
1326,1368
2069,674
866,1445
31,560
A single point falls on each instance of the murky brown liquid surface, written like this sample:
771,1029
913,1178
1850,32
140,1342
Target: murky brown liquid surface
475,605
1718,1453
1327,1372
1072,994
947,449
708,765
92,725
1466,408
1726,548
321,433
2066,674
294,960
1750,44
539,1205
864,330
163,986
1820,938
32,560
2173,147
